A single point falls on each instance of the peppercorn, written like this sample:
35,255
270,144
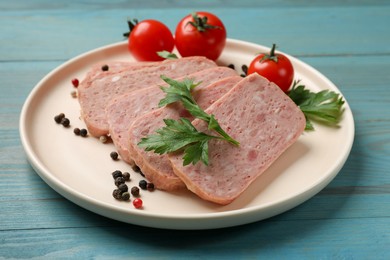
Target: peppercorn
105,67
135,168
83,132
103,139
116,174
76,131
137,203
123,187
231,66
125,196
135,191
119,181
75,82
150,186
142,184
245,69
114,156
73,94
59,117
126,176
117,194
65,122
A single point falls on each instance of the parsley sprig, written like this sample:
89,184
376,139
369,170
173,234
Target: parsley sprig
324,106
181,134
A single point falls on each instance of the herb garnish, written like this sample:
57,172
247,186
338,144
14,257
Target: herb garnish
179,134
167,55
324,106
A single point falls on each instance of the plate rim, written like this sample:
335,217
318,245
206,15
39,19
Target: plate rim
206,220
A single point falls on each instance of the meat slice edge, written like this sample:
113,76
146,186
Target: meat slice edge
263,119
94,99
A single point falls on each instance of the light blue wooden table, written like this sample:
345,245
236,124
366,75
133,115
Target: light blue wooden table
348,41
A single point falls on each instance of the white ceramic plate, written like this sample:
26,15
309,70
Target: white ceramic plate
80,168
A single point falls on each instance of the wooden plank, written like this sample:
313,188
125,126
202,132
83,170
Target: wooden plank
324,239
63,34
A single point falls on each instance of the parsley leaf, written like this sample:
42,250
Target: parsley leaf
167,55
181,91
181,134
176,135
324,107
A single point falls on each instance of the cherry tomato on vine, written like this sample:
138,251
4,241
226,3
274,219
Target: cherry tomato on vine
148,37
200,34
276,67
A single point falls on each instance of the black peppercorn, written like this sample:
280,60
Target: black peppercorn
59,117
150,186
123,187
65,122
117,194
143,184
116,174
231,66
126,175
119,181
114,155
245,69
136,168
125,196
83,132
105,67
135,191
76,131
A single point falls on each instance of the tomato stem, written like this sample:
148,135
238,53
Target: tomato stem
272,53
271,56
131,25
200,23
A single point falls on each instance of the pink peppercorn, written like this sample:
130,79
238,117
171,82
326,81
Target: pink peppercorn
137,203
75,82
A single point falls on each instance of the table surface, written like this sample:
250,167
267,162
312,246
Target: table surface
349,42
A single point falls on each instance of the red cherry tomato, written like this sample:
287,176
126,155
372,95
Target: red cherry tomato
200,34
275,67
148,37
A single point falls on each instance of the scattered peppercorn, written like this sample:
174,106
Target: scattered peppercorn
123,187
150,186
59,117
114,156
231,66
135,168
125,196
137,203
105,67
76,131
245,69
65,122
119,181
75,82
116,174
143,184
103,139
126,176
83,132
135,191
117,194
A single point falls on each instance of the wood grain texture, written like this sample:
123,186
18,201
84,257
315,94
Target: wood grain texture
349,42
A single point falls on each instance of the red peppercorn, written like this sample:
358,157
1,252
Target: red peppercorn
137,203
75,82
